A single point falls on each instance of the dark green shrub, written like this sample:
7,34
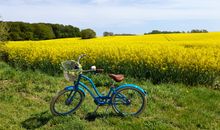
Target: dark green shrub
108,34
88,33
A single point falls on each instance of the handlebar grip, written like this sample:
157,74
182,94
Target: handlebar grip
99,70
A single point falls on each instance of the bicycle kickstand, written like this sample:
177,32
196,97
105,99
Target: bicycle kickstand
96,109
107,108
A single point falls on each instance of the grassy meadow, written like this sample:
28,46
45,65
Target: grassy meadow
25,97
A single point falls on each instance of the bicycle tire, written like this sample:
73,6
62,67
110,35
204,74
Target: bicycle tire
133,102
54,102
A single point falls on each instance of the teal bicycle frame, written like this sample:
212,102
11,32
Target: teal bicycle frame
99,99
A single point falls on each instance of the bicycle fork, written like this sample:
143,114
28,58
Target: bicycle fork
70,98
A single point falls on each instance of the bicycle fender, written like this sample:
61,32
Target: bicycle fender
74,88
132,86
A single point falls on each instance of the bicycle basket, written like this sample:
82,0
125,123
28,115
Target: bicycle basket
71,70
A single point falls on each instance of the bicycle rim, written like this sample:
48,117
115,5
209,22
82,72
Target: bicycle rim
129,101
66,102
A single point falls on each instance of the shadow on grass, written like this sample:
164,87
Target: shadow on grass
92,116
37,120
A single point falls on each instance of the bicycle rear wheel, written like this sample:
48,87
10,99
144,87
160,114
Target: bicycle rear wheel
66,102
129,101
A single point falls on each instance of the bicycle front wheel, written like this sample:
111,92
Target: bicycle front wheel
66,102
129,101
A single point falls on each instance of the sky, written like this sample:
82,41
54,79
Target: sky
117,16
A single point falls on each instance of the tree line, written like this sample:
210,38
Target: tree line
18,31
156,32
119,34
170,32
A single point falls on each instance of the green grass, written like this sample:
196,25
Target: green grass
25,97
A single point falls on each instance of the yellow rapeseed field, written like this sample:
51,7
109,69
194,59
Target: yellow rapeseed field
186,58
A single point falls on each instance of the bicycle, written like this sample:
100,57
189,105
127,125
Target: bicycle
127,99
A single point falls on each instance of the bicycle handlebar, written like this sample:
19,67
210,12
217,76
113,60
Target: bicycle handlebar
81,56
97,70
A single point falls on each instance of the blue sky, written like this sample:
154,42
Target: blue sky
118,16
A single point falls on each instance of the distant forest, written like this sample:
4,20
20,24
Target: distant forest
18,31
156,32
170,32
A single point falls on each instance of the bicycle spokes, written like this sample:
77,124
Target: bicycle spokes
67,101
70,97
128,101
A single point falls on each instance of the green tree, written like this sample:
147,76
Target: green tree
88,33
66,31
72,31
43,32
3,31
15,33
199,31
26,31
108,34
3,39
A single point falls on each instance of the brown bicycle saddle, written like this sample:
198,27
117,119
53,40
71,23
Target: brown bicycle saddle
117,77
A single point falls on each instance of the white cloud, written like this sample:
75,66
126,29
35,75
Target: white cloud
100,1
108,13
